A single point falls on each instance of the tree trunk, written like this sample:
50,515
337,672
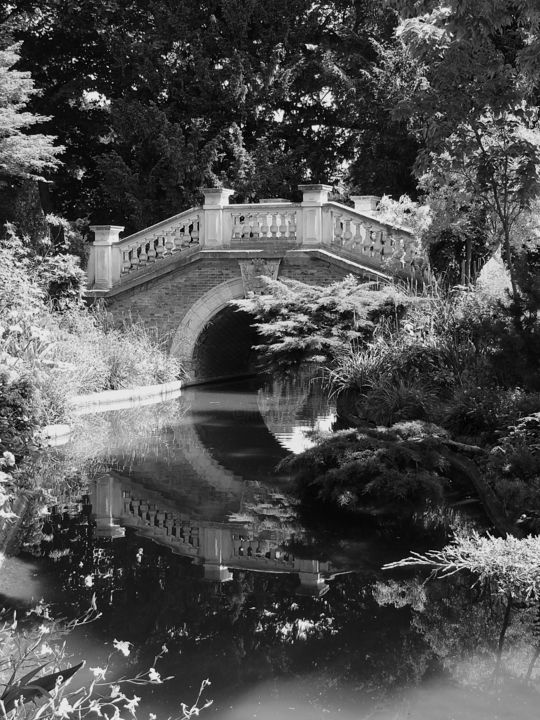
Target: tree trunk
491,503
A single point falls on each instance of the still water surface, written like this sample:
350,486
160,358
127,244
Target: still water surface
198,545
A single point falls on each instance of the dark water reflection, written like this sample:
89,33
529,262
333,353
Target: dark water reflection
197,545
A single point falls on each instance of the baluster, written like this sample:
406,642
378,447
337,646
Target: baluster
126,261
274,225
377,243
142,254
371,242
255,227
265,229
177,239
283,225
292,224
237,228
367,240
169,243
338,231
383,245
160,247
357,240
151,254
347,234
194,232
184,237
246,228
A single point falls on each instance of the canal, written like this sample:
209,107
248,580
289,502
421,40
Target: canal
196,545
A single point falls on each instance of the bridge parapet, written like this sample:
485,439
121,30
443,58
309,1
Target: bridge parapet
217,225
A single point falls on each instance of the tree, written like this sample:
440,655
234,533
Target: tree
23,154
472,106
257,97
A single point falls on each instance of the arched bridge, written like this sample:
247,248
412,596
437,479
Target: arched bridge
179,275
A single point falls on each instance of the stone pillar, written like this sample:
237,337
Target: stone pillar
312,583
314,197
215,199
106,259
106,499
365,203
215,548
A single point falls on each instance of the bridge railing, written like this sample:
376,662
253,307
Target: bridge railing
315,222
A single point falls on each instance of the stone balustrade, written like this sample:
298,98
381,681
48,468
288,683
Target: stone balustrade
314,223
368,240
264,221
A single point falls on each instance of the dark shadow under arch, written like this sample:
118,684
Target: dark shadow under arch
224,347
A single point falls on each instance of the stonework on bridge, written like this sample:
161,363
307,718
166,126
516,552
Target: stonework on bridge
179,275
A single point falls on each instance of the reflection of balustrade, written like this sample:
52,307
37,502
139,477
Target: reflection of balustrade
217,547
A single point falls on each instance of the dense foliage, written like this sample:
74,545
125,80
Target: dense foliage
301,323
153,100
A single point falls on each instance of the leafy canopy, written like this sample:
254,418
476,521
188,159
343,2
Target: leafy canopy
23,153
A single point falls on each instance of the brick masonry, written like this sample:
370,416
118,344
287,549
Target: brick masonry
161,303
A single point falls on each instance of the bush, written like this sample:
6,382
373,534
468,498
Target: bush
394,471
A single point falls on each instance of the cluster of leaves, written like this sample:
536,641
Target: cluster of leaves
394,471
514,470
306,323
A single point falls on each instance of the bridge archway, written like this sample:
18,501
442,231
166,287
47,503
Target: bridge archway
213,339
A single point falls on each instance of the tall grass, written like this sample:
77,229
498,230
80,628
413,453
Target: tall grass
88,354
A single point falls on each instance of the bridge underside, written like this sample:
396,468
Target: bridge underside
224,346
189,298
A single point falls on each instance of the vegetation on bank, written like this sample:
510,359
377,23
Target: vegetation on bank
52,347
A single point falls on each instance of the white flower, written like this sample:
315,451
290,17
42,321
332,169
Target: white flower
44,630
89,581
154,676
131,705
9,458
164,649
115,691
99,673
95,707
63,709
152,716
122,646
45,649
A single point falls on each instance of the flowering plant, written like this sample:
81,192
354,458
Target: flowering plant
35,683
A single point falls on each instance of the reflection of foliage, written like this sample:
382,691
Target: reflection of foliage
400,593
289,401
514,469
123,437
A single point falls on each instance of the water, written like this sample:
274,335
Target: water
198,545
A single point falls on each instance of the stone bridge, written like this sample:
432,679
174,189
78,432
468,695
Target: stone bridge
179,275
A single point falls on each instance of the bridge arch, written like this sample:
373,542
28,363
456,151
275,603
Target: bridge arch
211,309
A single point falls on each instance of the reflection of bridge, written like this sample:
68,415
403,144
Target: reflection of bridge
219,547
179,276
